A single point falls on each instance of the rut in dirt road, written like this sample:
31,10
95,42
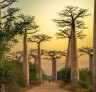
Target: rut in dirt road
48,87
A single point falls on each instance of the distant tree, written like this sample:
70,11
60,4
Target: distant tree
72,18
39,38
89,51
16,55
33,53
26,23
53,56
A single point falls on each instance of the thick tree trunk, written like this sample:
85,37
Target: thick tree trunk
39,64
25,60
91,63
94,47
67,62
54,73
35,60
36,63
74,63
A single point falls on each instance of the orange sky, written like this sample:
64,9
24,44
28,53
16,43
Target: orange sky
46,10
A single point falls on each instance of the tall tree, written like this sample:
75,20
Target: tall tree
26,23
72,17
39,38
89,51
66,33
33,53
94,47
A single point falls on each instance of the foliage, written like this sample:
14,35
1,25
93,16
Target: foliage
85,77
11,28
8,30
87,50
26,23
11,72
33,72
70,14
5,5
46,77
85,80
64,75
38,38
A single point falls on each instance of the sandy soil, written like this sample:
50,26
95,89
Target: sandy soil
48,87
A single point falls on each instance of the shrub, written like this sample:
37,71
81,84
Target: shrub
10,70
64,75
12,77
85,77
32,72
11,74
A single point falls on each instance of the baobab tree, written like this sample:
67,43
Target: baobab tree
53,56
72,18
17,55
39,38
89,51
66,33
25,24
94,47
33,53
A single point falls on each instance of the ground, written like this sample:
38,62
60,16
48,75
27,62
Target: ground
48,87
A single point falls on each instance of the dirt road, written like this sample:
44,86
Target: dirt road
48,87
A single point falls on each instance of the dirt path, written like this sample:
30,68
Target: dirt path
48,87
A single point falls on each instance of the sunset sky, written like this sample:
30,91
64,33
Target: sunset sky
46,10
